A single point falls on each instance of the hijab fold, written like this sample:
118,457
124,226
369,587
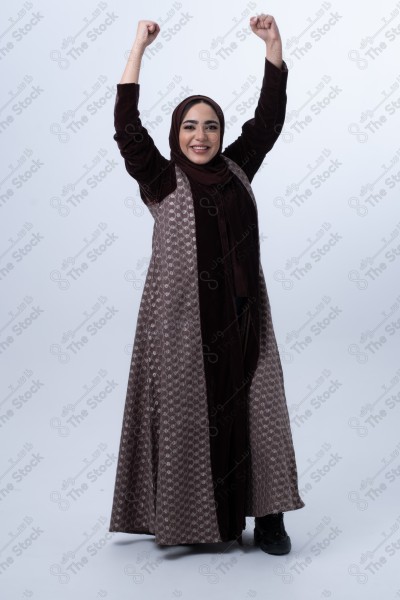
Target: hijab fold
216,170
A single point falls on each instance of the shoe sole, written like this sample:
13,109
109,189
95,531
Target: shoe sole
276,548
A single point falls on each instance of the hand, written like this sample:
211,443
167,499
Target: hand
265,27
146,33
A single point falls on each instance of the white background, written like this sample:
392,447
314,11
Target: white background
74,248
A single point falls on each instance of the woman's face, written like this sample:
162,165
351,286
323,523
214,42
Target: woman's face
199,133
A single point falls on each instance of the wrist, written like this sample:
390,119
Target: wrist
275,43
137,50
274,53
274,48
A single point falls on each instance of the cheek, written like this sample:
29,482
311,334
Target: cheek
182,141
217,138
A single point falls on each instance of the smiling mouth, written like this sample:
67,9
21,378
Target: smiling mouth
200,149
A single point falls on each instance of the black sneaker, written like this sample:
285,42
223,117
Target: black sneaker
270,534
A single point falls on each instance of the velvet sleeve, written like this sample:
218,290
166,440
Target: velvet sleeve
260,133
143,161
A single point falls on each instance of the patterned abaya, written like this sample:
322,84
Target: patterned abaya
249,462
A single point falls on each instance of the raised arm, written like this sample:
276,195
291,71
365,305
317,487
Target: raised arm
265,27
146,33
260,133
143,161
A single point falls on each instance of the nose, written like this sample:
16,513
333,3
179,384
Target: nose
201,134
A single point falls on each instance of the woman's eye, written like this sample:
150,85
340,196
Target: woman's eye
188,127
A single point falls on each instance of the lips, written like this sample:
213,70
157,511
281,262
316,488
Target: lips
199,148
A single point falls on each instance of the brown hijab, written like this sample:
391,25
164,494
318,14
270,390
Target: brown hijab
216,170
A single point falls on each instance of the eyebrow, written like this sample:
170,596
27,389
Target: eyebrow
194,121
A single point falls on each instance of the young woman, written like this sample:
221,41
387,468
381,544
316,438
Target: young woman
206,438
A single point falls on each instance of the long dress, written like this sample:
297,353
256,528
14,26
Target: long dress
228,259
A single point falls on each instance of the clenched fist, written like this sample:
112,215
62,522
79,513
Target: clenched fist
266,28
146,33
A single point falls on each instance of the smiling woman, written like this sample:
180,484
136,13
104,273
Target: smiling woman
199,134
206,438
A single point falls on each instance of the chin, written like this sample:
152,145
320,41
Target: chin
200,160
